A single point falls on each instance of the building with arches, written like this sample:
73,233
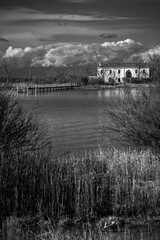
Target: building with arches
117,72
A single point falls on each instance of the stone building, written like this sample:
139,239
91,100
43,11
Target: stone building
117,72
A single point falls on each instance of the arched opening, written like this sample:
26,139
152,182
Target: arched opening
128,74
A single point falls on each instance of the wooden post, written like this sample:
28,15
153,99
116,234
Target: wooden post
35,90
12,225
27,90
17,90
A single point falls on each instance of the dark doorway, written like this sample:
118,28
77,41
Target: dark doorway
128,74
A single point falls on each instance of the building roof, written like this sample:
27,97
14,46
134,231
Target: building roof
124,65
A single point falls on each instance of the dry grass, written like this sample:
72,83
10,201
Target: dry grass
98,184
17,229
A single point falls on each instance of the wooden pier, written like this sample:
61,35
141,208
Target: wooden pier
34,89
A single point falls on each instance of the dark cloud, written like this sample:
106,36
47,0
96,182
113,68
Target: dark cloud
3,40
61,23
79,1
108,35
46,39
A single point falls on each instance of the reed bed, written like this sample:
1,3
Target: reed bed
97,184
17,229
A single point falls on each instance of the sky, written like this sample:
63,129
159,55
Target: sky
68,32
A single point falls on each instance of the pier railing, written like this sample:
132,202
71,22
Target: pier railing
42,88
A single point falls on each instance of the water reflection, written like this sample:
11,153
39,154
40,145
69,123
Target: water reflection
110,93
75,119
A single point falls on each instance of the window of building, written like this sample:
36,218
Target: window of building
136,71
110,71
119,71
144,71
101,70
119,79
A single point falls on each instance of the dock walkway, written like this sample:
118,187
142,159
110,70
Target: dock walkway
34,89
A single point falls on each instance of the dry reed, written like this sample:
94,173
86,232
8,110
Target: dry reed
98,184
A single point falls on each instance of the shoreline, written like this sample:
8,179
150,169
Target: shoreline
41,228
100,87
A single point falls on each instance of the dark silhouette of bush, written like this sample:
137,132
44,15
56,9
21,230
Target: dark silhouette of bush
155,68
18,130
136,116
136,80
84,80
111,81
96,81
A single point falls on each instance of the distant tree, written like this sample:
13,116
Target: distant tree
84,80
155,67
6,66
96,81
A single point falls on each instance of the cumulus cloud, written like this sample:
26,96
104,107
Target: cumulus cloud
108,35
3,40
121,50
146,56
19,57
72,54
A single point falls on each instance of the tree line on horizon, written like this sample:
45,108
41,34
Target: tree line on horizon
50,74
72,74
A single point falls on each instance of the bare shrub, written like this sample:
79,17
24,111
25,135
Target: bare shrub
22,140
136,116
18,129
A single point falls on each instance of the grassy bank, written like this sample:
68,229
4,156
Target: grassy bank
45,230
70,190
98,184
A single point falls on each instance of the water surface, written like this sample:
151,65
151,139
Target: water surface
74,119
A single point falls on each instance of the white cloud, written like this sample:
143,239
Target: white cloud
146,55
125,43
72,54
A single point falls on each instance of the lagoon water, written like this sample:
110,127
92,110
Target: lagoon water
75,119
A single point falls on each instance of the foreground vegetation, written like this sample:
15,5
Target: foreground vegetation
45,230
72,190
104,186
98,184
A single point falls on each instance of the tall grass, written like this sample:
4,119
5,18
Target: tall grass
46,231
97,184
